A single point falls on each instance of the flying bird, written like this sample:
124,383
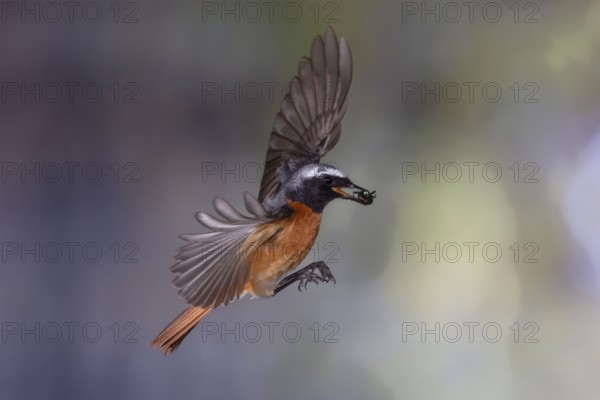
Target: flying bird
255,254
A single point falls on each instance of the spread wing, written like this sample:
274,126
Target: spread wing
309,122
212,269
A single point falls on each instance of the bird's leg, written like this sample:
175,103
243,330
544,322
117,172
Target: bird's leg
306,275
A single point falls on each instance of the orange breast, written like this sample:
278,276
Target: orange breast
284,251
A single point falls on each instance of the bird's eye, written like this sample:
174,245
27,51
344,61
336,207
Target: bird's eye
328,180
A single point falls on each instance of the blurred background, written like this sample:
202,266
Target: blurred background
475,274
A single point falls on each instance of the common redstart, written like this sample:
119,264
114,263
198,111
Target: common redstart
255,254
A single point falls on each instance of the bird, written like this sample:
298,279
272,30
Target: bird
254,255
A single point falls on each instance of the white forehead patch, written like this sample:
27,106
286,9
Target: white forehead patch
311,171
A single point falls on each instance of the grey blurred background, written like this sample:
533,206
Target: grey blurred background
120,120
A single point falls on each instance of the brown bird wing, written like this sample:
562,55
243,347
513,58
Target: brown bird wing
309,122
212,269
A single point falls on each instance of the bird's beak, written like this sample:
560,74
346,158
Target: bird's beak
355,193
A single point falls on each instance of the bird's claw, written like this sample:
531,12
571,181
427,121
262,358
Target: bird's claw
311,276
305,279
307,275
326,274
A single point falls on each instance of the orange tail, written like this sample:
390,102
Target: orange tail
172,336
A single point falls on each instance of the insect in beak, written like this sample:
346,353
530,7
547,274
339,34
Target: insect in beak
364,196
359,195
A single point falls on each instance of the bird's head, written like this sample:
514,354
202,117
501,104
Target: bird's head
317,184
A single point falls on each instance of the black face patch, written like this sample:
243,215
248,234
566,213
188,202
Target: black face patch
316,192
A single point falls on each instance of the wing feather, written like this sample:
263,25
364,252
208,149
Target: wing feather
211,269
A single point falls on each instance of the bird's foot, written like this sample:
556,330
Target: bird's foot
307,275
